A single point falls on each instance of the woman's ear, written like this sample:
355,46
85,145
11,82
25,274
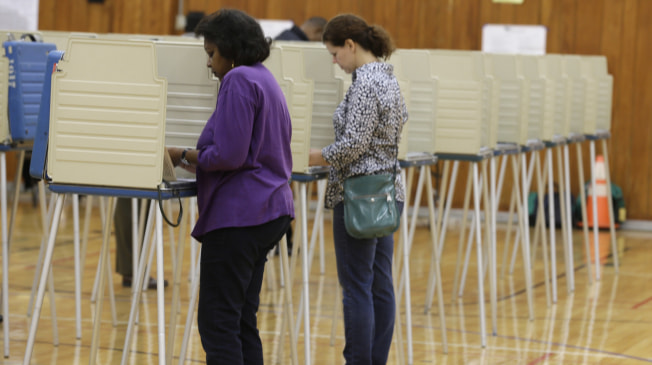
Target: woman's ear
349,43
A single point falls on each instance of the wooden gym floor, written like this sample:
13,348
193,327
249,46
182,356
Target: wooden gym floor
608,322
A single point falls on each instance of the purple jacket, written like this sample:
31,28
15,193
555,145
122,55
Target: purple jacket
244,159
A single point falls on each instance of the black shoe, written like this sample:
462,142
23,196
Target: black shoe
151,284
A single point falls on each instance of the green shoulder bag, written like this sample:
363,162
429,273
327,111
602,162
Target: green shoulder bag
370,206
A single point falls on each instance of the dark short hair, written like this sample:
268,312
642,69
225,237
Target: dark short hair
348,26
237,35
192,19
317,22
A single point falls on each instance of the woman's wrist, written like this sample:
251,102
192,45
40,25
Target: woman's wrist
184,157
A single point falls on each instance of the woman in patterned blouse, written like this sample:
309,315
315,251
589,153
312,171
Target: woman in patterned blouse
367,124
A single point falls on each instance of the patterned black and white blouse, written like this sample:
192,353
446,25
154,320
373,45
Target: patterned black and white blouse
368,124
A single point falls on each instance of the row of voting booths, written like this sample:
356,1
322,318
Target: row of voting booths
470,107
97,110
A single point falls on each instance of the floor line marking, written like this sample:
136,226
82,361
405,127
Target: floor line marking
558,344
640,304
541,358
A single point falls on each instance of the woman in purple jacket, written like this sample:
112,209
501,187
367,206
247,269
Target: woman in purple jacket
243,165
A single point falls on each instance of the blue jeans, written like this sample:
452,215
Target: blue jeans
364,269
232,266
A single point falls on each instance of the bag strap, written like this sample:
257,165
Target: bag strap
160,205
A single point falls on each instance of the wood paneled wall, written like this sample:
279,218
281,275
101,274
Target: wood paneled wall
619,29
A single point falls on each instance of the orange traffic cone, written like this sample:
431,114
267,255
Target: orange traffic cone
601,196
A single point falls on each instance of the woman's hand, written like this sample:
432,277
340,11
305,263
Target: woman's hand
316,158
175,155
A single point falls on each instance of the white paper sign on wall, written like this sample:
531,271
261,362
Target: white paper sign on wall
514,39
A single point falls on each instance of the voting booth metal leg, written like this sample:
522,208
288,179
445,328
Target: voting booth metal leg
171,236
402,267
483,199
44,239
437,267
508,233
525,187
77,258
467,255
192,305
562,197
320,204
317,231
7,234
135,246
135,295
97,320
486,205
585,224
569,222
160,300
318,228
160,288
493,292
97,269
176,286
107,268
539,232
540,229
194,245
501,176
46,219
14,203
612,217
287,322
475,233
551,219
478,237
305,273
397,264
594,200
423,171
487,262
526,240
405,254
449,201
442,227
612,229
460,245
87,222
520,182
288,310
47,262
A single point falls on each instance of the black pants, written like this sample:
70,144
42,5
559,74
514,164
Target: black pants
232,266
